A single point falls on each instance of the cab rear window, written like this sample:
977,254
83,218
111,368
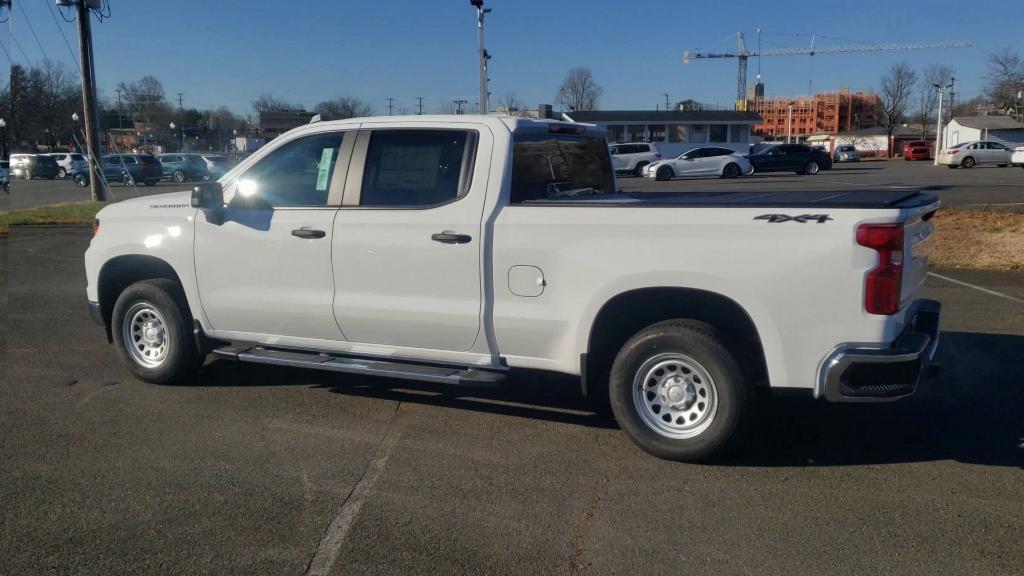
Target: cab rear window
558,167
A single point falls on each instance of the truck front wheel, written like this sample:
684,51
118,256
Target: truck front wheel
678,392
152,333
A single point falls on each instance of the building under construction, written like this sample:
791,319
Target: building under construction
829,112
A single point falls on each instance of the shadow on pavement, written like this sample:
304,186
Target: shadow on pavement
972,413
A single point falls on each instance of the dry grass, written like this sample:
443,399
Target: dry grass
984,240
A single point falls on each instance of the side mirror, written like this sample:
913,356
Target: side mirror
208,195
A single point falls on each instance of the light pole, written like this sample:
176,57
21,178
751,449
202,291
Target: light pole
182,135
3,139
789,123
484,56
938,125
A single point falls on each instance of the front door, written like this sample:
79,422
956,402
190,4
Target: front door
266,269
408,240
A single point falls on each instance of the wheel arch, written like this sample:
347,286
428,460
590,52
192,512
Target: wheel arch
629,312
122,271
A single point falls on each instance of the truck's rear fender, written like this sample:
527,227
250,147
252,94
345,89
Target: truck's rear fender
629,311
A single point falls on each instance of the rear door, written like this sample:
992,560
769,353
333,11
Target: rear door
408,240
999,154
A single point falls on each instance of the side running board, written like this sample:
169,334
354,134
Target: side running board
440,374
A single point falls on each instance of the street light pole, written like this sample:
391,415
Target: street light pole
789,123
3,139
484,56
939,140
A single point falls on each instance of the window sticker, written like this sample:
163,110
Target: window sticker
324,169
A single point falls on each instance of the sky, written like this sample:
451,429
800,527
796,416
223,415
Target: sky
228,52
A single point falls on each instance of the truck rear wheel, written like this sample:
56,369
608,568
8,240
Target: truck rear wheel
152,332
678,392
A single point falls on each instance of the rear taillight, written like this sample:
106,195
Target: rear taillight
952,151
884,281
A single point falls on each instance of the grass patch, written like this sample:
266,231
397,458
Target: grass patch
982,240
58,214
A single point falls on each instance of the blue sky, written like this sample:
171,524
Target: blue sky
230,51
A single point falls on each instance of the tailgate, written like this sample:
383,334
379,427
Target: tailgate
917,237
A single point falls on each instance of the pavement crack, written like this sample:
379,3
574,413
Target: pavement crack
332,541
577,562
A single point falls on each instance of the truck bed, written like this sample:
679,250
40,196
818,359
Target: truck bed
888,198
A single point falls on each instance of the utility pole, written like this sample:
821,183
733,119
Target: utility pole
391,104
939,140
459,104
92,140
484,56
667,105
420,98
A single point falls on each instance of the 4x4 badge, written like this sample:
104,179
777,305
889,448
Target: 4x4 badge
803,218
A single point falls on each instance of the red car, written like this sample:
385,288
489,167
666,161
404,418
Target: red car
917,150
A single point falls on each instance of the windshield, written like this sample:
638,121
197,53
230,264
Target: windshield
559,166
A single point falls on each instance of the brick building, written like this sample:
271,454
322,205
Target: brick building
829,112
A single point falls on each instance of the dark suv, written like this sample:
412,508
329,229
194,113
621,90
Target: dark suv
799,158
133,168
29,166
184,167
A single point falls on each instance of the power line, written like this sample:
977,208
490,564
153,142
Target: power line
61,30
6,53
22,50
33,31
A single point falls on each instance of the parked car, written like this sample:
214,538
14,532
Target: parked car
183,167
132,168
631,157
217,165
971,154
798,158
706,161
32,166
847,153
1018,156
69,163
917,150
678,308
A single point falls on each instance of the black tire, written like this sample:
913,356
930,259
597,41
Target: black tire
638,171
811,168
126,179
180,360
81,180
62,173
28,174
697,341
731,170
664,173
178,176
968,162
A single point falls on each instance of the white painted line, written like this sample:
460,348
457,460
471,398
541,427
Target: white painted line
327,551
978,288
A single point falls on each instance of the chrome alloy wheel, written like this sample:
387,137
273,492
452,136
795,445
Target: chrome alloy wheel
675,395
145,335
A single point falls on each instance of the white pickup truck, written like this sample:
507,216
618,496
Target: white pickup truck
453,249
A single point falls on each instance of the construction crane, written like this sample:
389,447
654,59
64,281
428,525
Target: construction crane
743,54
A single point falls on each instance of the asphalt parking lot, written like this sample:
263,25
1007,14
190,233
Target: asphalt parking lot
254,470
981,188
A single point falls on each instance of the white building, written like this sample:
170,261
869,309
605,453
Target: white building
676,131
1003,129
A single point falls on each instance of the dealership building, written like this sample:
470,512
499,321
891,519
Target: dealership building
676,131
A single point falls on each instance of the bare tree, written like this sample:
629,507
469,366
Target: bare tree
579,91
928,94
1005,76
894,97
271,103
343,107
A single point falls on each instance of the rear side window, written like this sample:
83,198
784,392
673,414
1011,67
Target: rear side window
77,157
417,167
640,148
554,167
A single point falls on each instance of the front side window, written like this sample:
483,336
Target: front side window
417,167
559,167
296,174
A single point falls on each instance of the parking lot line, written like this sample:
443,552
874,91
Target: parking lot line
327,551
976,287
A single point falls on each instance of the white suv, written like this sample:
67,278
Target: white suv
69,163
632,157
